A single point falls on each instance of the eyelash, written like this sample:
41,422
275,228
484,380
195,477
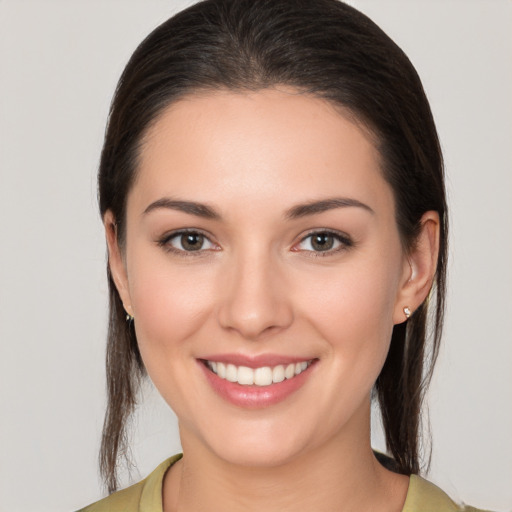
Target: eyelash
344,240
166,239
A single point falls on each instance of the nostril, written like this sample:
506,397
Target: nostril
254,301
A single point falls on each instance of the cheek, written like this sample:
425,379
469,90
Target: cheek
352,308
170,303
353,312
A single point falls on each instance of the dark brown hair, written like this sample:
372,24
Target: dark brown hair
320,47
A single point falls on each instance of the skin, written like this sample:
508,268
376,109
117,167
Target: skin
258,287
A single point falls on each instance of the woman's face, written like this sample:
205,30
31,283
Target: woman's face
261,235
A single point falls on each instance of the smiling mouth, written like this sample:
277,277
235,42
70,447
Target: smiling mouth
262,376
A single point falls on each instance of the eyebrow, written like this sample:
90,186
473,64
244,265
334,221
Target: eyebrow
296,212
191,207
302,210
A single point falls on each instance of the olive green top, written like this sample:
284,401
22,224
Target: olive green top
146,496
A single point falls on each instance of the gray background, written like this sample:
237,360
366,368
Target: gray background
59,64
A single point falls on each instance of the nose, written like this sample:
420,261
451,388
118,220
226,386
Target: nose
254,301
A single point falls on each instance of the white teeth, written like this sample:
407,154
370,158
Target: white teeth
245,375
221,370
289,372
231,373
263,376
278,373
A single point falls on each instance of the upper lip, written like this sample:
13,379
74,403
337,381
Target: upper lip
255,361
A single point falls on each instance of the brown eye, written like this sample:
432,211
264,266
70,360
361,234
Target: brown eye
322,241
187,242
327,242
192,241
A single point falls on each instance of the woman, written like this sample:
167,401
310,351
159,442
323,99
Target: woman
272,191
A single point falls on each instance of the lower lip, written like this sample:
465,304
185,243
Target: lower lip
255,397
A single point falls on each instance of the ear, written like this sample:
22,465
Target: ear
419,268
116,262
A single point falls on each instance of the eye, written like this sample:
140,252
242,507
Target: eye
187,241
324,242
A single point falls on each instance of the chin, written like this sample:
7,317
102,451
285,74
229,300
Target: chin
259,455
258,444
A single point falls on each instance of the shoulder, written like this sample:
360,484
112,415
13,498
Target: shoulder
424,495
147,494
127,500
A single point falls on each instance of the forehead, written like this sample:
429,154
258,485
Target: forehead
274,144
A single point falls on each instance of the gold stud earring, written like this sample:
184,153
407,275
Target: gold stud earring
407,312
129,316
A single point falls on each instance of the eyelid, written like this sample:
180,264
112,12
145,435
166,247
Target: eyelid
164,242
345,241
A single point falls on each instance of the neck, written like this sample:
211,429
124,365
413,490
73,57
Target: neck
340,475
